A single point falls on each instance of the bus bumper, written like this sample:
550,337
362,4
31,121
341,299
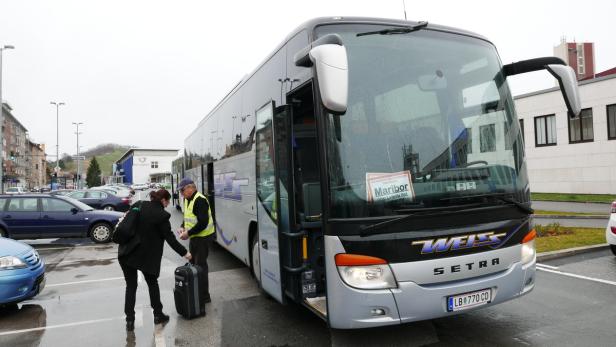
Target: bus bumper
351,308
419,302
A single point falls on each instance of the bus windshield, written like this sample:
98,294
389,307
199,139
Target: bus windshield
430,123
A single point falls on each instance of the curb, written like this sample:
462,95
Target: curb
559,216
571,251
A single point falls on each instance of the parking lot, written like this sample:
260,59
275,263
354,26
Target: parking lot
83,300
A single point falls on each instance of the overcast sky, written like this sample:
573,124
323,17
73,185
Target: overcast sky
145,72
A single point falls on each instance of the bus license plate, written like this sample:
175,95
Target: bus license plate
469,300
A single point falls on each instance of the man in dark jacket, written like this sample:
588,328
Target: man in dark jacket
153,230
198,226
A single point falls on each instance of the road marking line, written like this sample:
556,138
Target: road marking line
139,317
578,276
83,282
548,266
159,337
59,326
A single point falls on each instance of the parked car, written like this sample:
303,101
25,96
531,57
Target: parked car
118,191
123,186
15,190
101,200
140,186
610,231
22,272
42,216
61,192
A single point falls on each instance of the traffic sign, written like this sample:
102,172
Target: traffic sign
56,169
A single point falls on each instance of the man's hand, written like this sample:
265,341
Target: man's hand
184,235
188,256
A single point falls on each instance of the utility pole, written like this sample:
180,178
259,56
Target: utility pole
78,155
58,104
2,121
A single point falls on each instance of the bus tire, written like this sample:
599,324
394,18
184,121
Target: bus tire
613,247
255,264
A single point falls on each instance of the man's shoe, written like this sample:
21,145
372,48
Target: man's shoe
130,325
161,319
207,299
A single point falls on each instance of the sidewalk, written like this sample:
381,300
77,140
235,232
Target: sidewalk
600,209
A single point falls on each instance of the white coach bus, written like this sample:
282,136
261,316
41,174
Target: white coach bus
373,170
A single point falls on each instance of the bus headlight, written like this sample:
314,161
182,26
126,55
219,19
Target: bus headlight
364,272
10,262
528,252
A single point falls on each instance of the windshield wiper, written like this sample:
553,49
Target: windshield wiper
365,230
394,31
518,204
500,197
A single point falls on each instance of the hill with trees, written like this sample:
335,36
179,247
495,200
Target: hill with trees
106,154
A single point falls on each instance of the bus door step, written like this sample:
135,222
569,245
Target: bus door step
318,305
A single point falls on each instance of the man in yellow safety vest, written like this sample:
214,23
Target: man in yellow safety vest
198,226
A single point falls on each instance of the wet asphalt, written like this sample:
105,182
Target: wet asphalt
82,305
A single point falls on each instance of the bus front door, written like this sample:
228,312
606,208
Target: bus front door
272,195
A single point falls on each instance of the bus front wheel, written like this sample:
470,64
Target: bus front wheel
255,263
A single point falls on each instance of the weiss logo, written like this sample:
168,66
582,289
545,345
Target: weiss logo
459,242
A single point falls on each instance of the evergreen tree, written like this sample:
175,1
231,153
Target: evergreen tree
93,178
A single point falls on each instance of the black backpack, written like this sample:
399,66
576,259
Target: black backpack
126,229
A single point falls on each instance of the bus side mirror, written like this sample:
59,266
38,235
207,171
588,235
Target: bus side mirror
332,70
568,86
557,67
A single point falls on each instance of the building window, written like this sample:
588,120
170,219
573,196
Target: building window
469,140
154,165
487,138
611,122
545,130
580,128
522,130
508,134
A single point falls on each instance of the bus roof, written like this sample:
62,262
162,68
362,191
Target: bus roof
309,27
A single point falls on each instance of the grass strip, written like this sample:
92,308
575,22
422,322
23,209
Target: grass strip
577,237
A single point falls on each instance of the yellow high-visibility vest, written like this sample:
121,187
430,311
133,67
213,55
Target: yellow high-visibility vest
190,219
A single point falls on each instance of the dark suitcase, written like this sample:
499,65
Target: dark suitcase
186,292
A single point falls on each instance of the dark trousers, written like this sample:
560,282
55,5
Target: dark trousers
199,247
130,276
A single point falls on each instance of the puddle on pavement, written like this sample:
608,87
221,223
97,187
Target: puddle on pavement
78,264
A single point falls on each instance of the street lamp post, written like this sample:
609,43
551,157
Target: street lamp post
78,158
2,122
57,104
